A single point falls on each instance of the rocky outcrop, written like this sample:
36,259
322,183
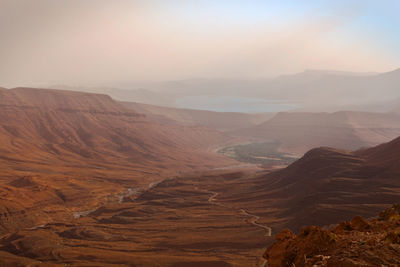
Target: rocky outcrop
356,243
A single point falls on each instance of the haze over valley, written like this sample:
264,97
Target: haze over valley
199,133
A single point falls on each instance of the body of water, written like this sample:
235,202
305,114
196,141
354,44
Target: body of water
234,104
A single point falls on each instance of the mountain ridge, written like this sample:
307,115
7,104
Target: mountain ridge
328,184
223,121
81,148
300,131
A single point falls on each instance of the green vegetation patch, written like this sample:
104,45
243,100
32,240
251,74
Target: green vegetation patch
265,153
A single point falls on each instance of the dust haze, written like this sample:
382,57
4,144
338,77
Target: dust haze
96,42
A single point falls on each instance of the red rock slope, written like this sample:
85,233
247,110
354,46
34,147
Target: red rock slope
63,150
356,243
91,126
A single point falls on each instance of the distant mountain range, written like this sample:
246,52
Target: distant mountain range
311,90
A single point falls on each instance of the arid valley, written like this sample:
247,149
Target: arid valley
88,181
199,133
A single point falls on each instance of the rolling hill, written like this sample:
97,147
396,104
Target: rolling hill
301,131
328,185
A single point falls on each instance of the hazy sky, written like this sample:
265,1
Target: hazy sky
96,41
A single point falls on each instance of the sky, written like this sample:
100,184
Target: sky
90,42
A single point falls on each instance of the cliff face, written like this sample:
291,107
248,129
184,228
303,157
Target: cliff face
356,243
42,123
59,100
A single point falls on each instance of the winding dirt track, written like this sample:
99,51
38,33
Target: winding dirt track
253,219
120,197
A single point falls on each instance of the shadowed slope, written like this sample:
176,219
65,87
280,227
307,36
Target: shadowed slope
327,185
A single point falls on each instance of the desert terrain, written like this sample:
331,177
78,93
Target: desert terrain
204,133
90,181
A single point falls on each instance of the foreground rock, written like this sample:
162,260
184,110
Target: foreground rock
356,243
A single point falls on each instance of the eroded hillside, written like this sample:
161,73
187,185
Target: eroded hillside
62,151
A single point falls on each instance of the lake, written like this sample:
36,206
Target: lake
234,104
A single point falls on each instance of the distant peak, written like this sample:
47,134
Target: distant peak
324,151
392,73
339,72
